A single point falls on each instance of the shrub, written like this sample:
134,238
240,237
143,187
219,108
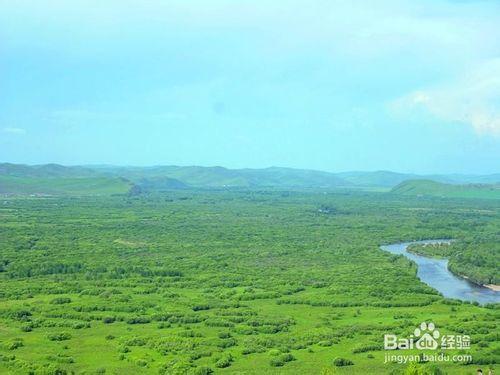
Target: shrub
224,335
204,370
339,362
287,357
108,319
325,343
60,300
135,341
281,360
138,320
224,361
27,328
201,307
227,343
59,336
277,362
21,315
14,344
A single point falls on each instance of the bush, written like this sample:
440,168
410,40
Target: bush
21,315
136,341
224,335
60,300
204,370
224,361
277,362
27,328
201,307
59,336
325,343
282,359
108,319
227,343
287,357
17,343
340,362
138,320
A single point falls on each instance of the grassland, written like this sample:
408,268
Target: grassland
225,282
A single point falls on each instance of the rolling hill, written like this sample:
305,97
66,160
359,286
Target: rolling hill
63,185
59,179
55,179
391,179
211,177
438,189
44,170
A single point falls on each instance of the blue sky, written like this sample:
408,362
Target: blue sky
410,86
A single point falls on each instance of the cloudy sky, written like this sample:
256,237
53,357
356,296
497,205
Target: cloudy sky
410,86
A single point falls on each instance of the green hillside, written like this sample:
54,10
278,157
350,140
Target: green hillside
391,179
45,170
222,177
63,185
433,188
159,178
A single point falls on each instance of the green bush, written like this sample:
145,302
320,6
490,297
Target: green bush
225,361
203,370
340,362
59,336
108,319
60,301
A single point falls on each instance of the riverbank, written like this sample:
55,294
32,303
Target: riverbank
494,287
435,273
412,249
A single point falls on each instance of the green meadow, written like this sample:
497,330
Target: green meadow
230,282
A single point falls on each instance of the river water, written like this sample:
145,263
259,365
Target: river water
434,272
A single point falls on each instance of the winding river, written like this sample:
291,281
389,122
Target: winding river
434,272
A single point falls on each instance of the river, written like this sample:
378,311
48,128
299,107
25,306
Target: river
434,272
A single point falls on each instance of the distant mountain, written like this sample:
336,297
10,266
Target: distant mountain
223,177
160,183
438,189
391,179
42,178
64,185
55,179
45,170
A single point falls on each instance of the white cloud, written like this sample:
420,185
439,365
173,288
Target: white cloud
19,131
472,99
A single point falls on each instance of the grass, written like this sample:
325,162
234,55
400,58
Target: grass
248,282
